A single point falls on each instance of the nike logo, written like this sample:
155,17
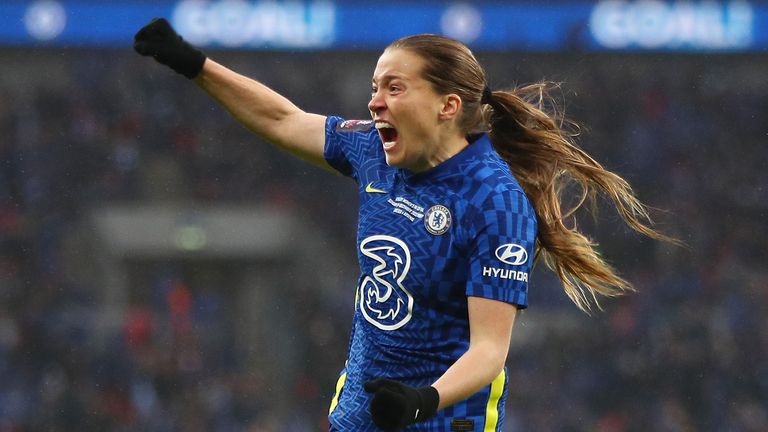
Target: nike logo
370,189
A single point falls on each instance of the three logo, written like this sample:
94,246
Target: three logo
384,301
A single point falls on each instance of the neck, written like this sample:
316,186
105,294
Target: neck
445,148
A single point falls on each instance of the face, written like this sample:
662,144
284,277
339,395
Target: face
406,110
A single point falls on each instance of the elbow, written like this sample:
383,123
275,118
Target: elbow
495,357
498,365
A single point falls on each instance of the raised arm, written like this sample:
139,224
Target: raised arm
265,112
254,105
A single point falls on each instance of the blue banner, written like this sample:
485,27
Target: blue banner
639,25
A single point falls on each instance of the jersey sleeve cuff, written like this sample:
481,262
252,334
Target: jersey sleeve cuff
516,297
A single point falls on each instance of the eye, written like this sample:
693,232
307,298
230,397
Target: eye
394,88
374,90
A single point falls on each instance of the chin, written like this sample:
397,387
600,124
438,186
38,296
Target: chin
393,160
392,164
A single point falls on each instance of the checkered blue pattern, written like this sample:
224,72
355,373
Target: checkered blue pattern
410,322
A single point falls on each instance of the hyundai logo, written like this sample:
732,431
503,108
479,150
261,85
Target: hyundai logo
512,254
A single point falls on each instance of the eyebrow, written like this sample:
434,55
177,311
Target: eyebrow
388,77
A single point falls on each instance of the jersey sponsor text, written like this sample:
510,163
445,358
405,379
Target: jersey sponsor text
519,276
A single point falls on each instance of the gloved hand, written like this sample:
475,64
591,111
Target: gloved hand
396,405
159,40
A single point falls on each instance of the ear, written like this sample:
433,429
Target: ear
451,107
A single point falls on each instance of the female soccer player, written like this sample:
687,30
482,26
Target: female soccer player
450,220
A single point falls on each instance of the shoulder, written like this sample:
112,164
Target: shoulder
496,202
353,147
491,177
357,133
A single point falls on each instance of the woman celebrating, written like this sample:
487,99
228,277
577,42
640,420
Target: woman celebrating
460,189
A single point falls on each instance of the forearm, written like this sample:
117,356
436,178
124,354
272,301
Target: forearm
265,112
470,373
253,104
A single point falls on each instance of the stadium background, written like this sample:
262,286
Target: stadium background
162,269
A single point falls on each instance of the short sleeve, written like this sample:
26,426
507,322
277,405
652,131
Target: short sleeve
346,144
502,237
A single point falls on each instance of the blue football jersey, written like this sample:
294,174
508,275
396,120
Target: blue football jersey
426,241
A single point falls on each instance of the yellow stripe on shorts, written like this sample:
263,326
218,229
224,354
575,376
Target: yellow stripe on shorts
492,409
339,385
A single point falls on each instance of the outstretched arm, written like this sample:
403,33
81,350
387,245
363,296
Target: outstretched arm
265,112
257,107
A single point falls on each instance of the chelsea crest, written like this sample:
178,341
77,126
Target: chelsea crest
437,220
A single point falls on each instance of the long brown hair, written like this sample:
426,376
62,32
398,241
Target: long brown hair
538,144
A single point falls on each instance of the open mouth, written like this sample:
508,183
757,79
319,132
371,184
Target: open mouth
388,134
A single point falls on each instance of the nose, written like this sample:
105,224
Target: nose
376,103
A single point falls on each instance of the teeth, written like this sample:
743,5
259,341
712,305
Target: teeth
383,125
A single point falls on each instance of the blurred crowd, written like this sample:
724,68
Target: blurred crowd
78,129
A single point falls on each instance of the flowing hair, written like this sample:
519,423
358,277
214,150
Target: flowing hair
538,144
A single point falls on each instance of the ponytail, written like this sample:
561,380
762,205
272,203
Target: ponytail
540,150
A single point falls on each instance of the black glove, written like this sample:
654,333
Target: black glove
159,40
396,405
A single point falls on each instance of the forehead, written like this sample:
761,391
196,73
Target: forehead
398,63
